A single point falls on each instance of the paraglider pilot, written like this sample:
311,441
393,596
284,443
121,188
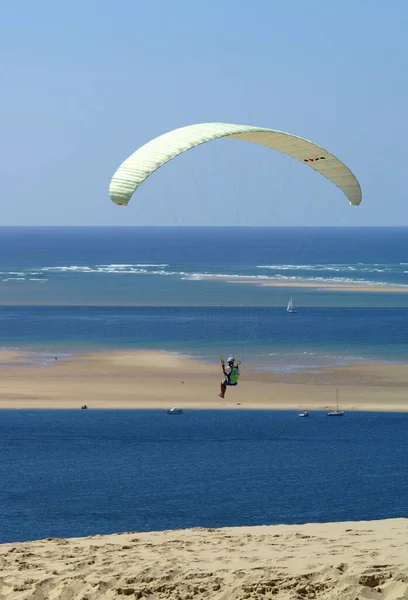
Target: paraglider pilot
231,373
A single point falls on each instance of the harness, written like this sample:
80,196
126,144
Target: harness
232,376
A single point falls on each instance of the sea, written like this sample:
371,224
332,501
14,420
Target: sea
204,292
74,473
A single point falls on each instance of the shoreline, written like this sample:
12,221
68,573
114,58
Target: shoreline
160,380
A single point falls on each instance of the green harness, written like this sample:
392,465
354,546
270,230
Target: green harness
233,377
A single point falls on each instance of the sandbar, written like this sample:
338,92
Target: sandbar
330,286
161,380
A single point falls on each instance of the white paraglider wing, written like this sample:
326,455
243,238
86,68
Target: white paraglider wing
153,155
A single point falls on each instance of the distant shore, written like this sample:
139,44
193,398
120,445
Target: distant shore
341,287
330,286
160,380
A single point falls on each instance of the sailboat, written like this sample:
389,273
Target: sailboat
290,308
337,412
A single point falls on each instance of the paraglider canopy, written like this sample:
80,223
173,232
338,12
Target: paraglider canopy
153,155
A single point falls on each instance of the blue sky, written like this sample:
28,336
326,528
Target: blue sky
85,83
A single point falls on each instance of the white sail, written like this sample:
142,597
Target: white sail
290,306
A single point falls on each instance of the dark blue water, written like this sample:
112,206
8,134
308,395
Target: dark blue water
185,266
76,473
196,247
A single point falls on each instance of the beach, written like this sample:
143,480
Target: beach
347,561
156,379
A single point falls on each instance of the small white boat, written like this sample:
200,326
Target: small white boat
174,411
289,307
337,412
303,414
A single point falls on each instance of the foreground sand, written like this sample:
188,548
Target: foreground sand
161,380
347,561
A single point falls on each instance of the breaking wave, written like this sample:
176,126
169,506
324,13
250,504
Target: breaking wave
341,274
360,267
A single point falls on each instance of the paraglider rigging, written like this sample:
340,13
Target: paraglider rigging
150,157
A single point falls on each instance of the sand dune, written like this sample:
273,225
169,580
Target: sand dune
347,561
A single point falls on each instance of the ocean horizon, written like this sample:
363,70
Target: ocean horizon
195,266
185,289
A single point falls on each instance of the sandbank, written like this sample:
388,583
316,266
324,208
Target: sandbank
330,286
160,380
340,287
347,561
